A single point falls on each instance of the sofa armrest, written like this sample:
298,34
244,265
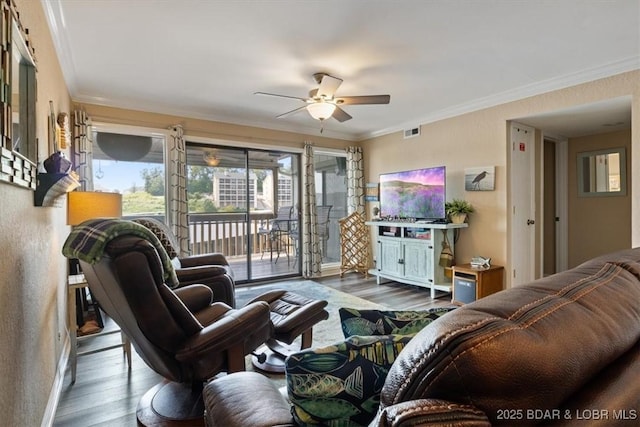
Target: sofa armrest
215,277
430,412
204,259
227,331
191,274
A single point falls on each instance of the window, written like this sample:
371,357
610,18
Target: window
132,165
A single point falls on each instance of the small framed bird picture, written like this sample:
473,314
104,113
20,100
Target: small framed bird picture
480,179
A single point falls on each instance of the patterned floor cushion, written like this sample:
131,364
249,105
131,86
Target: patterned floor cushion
339,385
381,322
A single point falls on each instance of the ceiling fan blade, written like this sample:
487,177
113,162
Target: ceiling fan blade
288,113
328,86
340,115
280,96
360,100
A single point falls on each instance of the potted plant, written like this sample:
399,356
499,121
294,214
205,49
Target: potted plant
457,210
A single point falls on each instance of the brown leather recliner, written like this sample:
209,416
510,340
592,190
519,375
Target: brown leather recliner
181,334
210,269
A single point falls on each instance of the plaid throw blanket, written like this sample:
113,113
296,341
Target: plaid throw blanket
88,240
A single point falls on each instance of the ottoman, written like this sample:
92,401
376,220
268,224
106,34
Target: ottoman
292,315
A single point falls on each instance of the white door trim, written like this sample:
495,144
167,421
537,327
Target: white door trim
562,200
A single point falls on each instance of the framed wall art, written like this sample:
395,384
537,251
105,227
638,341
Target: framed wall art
480,178
371,192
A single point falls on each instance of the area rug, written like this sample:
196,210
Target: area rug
326,332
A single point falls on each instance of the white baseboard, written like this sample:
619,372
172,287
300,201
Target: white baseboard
331,269
56,388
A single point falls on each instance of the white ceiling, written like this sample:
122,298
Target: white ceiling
439,58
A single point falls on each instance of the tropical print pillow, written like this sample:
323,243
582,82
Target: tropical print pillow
339,385
381,322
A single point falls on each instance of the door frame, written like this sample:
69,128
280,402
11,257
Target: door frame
248,147
562,201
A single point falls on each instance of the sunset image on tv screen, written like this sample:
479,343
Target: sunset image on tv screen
416,194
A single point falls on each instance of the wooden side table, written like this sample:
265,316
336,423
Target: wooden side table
75,283
470,283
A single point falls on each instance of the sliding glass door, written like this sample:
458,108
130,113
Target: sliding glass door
331,198
244,204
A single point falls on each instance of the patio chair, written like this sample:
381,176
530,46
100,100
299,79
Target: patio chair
278,234
323,213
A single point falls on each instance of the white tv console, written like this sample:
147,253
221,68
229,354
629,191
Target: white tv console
409,252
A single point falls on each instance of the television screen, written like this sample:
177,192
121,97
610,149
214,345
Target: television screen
418,194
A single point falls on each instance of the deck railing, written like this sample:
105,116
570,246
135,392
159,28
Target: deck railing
226,233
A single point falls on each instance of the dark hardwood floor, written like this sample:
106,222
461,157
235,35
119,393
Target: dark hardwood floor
106,392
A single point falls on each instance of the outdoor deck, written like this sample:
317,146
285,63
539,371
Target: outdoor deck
272,256
264,269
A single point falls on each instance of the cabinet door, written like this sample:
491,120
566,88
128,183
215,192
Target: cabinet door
390,256
417,264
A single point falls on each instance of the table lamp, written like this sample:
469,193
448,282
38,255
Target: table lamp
84,205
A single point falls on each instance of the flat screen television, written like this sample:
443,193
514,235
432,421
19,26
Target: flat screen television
418,194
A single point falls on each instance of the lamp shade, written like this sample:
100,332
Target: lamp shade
321,110
210,158
84,205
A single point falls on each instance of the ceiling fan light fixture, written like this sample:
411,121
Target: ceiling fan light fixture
210,158
321,110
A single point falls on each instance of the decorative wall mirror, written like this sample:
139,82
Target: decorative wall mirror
18,145
602,173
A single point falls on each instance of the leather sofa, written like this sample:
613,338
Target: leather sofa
562,350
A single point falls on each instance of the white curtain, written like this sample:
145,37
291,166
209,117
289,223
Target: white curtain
82,149
311,250
355,180
178,219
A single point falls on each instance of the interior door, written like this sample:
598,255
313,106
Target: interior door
522,182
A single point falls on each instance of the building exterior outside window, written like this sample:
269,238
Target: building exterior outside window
230,189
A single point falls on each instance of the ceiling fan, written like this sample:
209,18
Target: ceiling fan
322,102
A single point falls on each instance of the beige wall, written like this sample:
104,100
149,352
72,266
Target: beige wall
32,293
597,224
480,139
467,141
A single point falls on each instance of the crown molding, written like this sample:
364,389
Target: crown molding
312,131
55,18
538,88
